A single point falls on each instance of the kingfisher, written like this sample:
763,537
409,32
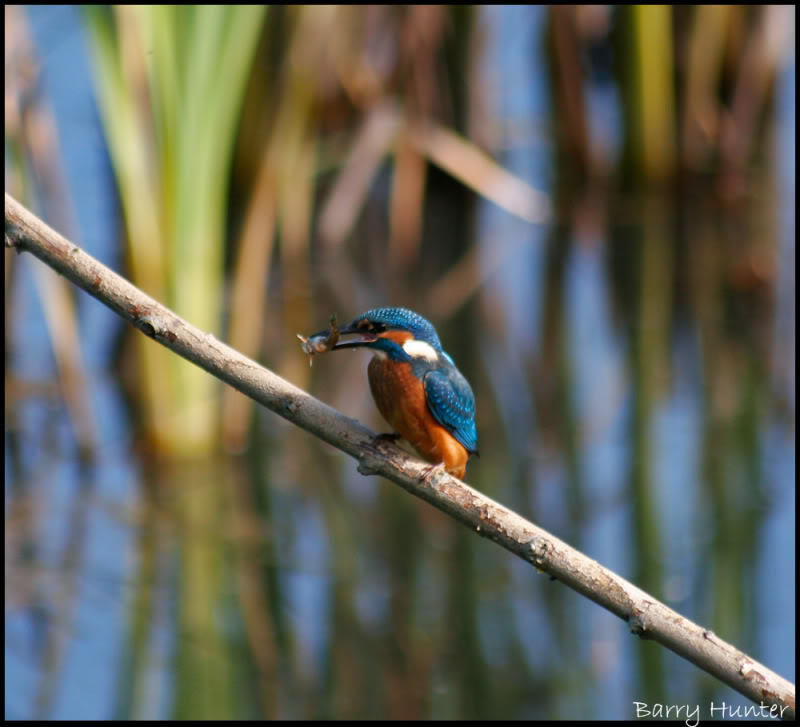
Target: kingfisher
416,386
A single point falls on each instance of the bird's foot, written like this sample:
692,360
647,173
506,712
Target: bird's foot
384,437
430,471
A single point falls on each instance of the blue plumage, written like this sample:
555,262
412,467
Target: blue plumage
403,318
452,404
439,387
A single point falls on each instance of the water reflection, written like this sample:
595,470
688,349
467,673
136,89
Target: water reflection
632,368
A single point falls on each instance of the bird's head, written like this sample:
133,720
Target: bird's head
398,333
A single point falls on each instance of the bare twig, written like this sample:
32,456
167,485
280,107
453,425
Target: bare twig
646,616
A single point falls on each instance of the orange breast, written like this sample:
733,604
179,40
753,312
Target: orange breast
400,398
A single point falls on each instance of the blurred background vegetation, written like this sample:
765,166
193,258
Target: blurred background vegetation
595,207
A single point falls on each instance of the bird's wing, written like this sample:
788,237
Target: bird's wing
452,404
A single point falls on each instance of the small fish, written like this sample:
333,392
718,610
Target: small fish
320,342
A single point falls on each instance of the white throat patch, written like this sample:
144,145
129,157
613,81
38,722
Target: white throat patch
420,349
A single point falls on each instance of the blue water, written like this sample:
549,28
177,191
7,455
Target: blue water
87,675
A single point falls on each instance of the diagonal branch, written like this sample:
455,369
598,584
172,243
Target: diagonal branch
646,616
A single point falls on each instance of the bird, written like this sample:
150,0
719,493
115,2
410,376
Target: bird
416,386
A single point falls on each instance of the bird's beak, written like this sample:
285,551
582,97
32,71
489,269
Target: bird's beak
362,337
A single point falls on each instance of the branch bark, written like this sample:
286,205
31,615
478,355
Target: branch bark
645,616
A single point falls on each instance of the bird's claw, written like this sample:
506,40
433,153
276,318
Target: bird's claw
384,437
429,471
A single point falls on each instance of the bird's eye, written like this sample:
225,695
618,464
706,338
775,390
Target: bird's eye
371,327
